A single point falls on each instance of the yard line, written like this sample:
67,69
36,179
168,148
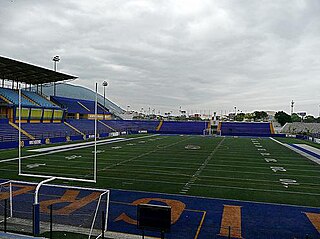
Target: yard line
200,169
143,154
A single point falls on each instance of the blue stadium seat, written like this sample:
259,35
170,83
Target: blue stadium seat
87,126
8,133
245,129
78,105
132,125
48,130
40,100
183,127
13,97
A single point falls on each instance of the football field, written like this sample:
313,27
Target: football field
250,169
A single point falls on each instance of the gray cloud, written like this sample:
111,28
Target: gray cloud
211,55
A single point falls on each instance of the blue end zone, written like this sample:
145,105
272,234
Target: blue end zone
192,217
258,220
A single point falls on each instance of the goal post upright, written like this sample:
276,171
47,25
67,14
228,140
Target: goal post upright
95,135
19,137
36,207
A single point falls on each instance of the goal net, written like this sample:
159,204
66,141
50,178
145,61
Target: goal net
62,208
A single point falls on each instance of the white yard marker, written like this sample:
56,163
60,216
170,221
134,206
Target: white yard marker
265,154
276,169
287,182
269,160
73,157
36,165
99,151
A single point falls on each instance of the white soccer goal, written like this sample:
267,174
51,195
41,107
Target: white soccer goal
69,208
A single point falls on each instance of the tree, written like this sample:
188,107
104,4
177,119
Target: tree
309,119
249,116
260,115
283,118
295,118
239,117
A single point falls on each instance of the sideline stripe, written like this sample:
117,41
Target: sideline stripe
231,218
309,155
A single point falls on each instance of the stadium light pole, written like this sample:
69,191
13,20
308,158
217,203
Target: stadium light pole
104,84
55,60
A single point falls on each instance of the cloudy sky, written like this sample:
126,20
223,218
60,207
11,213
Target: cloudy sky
199,54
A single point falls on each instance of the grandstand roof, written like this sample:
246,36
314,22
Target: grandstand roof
26,73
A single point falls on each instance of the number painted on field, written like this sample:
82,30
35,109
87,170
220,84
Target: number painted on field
288,182
270,160
99,151
36,165
278,169
265,154
73,157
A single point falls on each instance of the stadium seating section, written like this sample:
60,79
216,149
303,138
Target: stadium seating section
78,105
9,133
245,129
172,127
48,130
301,128
2,102
13,97
40,100
87,126
132,125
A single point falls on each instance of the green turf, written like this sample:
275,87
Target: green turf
230,168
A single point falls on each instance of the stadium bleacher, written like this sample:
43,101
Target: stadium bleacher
48,130
132,125
78,105
188,127
2,102
40,100
9,133
245,129
87,126
13,97
301,128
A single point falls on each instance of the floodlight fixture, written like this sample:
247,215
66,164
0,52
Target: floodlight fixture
55,60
